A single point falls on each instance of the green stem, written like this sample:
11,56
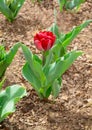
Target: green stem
43,58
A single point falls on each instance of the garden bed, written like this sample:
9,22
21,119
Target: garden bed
72,110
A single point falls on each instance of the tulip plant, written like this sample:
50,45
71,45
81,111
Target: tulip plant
45,73
7,57
8,98
70,4
10,8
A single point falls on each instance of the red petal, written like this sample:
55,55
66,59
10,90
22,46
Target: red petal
38,45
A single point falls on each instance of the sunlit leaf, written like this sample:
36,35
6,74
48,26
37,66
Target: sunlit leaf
8,98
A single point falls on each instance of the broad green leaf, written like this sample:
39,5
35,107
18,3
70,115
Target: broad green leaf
56,86
28,54
2,52
8,58
35,66
3,67
16,5
31,77
10,8
8,98
5,10
71,35
58,51
37,59
55,52
61,38
13,5
10,55
56,69
45,92
48,92
33,80
55,30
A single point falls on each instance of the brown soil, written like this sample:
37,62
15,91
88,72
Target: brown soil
72,110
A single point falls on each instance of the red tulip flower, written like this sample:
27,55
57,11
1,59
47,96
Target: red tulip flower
44,40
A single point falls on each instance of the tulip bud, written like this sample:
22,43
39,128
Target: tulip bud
44,40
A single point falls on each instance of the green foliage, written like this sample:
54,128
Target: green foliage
70,4
10,8
62,4
8,98
2,52
7,57
63,40
32,70
1,83
46,78
54,70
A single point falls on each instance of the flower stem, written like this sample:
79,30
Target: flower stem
43,58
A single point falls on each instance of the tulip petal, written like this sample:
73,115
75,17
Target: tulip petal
38,45
44,40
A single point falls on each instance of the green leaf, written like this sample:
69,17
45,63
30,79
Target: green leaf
5,10
8,58
61,3
56,69
3,67
56,88
55,30
35,66
37,59
63,40
73,3
71,35
58,51
10,8
15,6
31,77
10,55
8,98
2,52
1,83
48,92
